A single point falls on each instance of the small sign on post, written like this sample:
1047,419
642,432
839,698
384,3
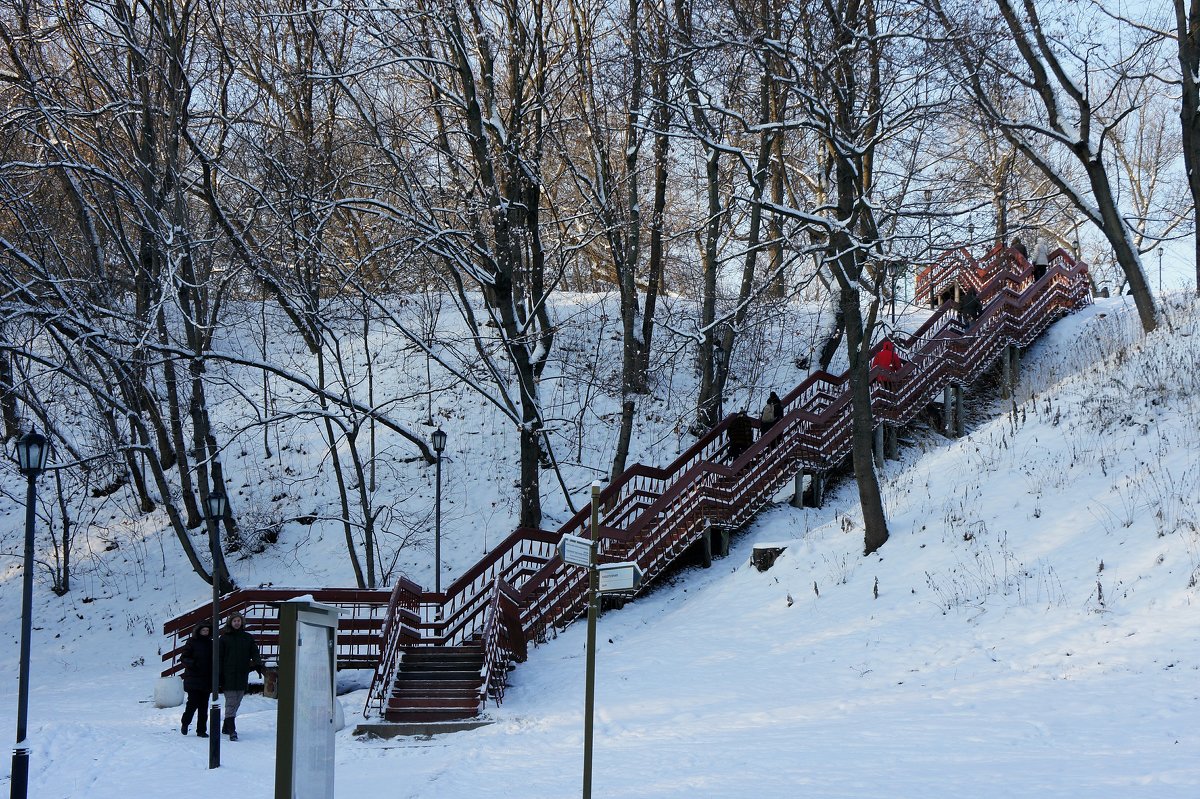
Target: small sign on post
575,550
625,576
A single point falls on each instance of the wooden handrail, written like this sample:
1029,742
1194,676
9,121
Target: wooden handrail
698,488
650,514
361,627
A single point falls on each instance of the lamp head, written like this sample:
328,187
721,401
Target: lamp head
439,440
33,450
217,504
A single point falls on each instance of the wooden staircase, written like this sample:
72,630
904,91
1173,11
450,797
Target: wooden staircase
439,656
521,590
437,684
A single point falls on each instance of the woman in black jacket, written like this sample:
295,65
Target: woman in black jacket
197,677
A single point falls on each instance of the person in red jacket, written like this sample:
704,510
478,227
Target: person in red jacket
887,361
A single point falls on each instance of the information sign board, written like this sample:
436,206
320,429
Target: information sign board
625,576
575,550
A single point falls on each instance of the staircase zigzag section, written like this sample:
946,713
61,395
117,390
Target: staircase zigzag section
650,515
521,590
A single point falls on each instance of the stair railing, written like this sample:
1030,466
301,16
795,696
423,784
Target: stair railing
503,641
361,635
652,514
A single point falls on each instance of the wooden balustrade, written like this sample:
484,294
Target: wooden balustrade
361,624
520,589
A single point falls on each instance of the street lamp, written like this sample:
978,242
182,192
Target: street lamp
439,444
32,451
215,505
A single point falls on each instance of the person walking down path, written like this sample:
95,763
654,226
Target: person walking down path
197,677
239,657
772,413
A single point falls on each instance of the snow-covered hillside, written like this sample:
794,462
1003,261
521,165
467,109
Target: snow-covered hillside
1030,628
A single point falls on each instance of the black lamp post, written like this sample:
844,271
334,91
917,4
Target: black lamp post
439,444
216,504
32,451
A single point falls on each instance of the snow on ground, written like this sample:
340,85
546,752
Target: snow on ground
1034,633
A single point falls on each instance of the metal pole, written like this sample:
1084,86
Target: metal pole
590,684
214,708
20,760
437,529
1160,270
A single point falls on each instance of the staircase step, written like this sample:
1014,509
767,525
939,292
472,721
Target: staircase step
457,664
426,715
435,703
438,685
435,693
438,652
439,676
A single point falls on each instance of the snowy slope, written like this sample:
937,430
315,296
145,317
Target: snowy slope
1034,632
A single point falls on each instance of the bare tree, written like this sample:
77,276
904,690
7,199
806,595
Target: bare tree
619,115
1080,96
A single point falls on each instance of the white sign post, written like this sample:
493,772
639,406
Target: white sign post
609,577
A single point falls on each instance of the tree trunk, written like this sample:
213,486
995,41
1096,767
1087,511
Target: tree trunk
336,462
861,448
709,409
8,399
1187,23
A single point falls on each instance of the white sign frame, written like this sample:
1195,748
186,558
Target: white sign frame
575,550
623,576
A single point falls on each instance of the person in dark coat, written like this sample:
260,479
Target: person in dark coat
197,677
1019,246
741,435
239,657
970,306
772,413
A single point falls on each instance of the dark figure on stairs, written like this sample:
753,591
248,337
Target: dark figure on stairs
197,677
239,657
772,413
1019,246
969,305
741,435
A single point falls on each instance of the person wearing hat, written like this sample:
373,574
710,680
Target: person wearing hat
239,657
197,677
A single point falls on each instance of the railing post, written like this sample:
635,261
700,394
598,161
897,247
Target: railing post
724,534
817,489
1006,381
947,411
798,489
959,426
891,441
